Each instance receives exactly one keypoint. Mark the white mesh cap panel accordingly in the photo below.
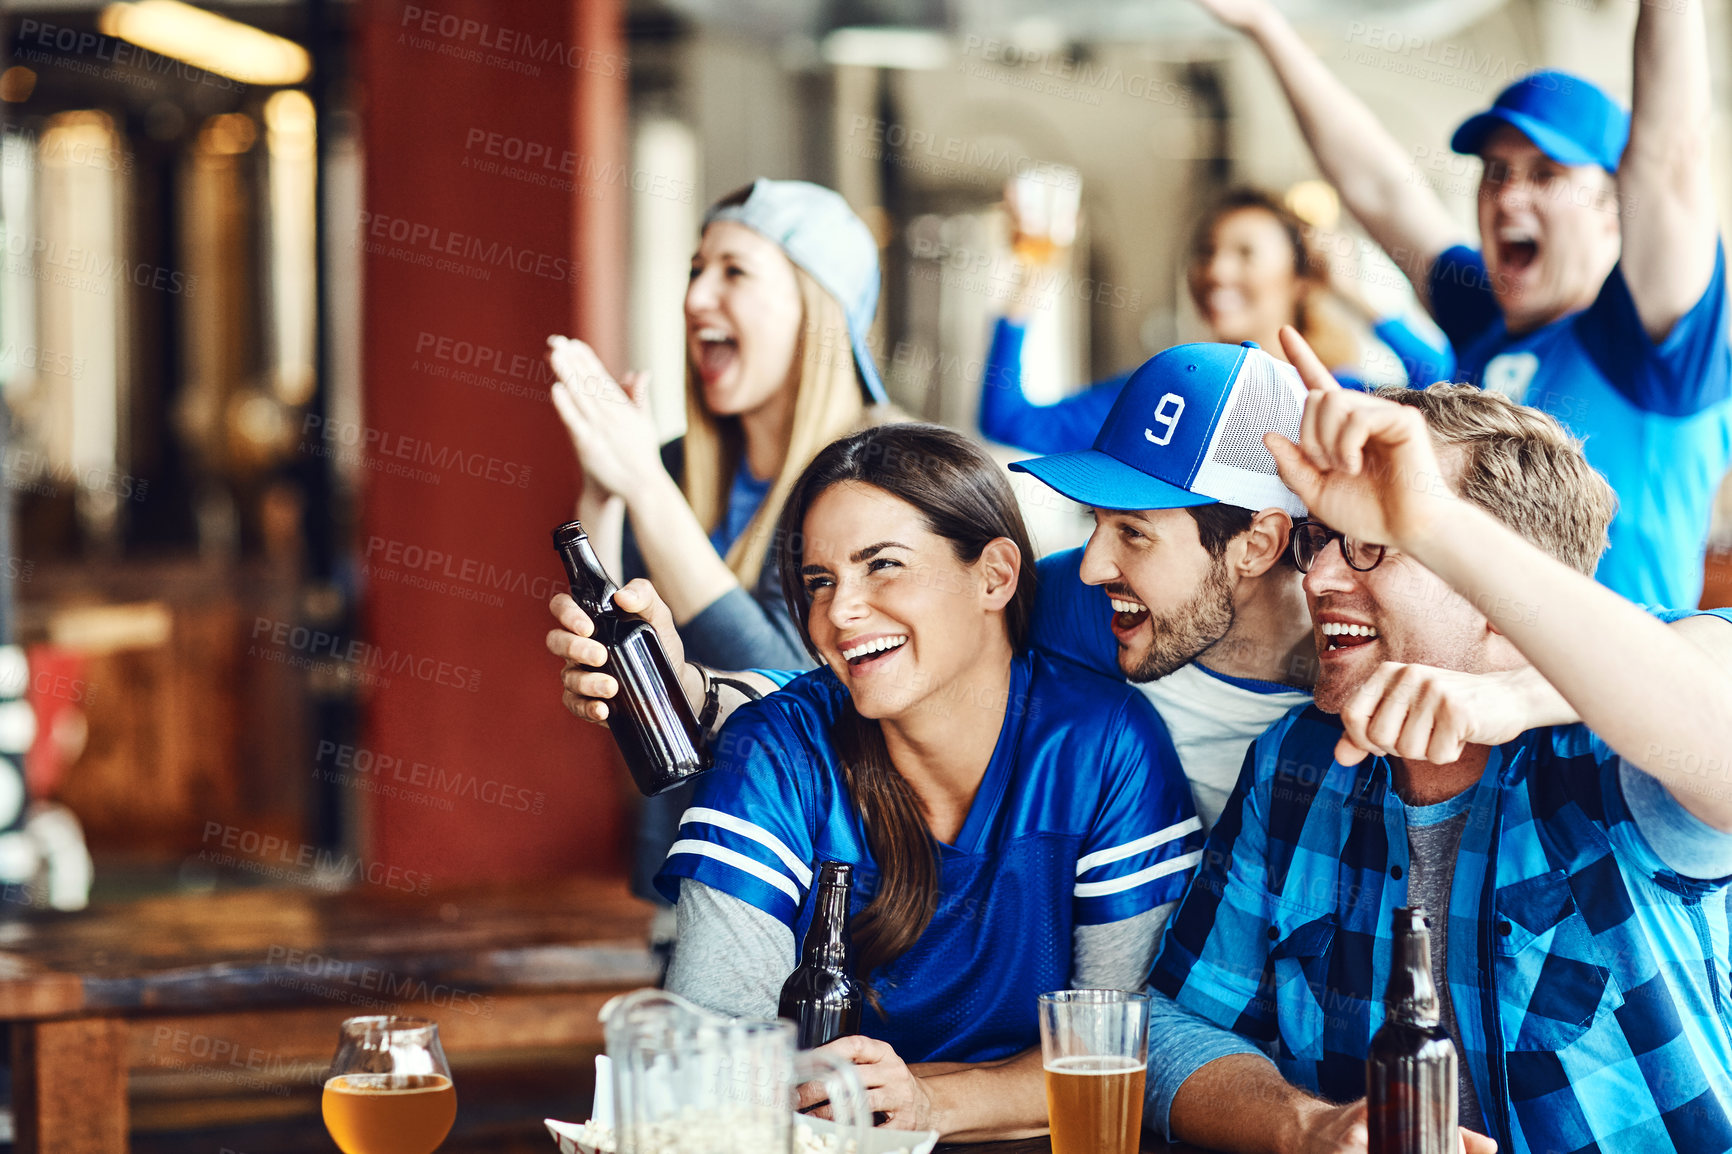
(1237, 469)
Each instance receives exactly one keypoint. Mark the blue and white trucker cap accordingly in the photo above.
(820, 233)
(1188, 430)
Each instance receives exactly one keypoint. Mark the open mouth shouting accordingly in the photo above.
(1517, 249)
(1339, 635)
(717, 351)
(869, 652)
(1128, 614)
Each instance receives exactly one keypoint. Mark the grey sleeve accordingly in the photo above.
(741, 630)
(1117, 955)
(729, 956)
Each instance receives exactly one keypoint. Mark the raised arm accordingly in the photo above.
(1376, 178)
(1665, 178)
(1661, 698)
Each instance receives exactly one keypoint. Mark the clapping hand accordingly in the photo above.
(608, 420)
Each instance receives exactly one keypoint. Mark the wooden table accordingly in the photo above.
(247, 988)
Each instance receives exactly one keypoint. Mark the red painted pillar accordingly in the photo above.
(493, 215)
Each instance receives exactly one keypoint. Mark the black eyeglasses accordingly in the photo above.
(1310, 538)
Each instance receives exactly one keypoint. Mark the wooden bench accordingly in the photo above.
(245, 990)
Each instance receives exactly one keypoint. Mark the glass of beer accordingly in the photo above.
(389, 1090)
(1095, 1047)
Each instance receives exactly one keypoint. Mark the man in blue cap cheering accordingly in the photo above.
(1598, 293)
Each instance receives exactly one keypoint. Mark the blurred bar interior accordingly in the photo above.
(277, 278)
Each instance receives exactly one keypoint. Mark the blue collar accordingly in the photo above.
(1252, 684)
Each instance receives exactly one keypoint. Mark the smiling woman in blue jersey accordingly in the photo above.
(1016, 824)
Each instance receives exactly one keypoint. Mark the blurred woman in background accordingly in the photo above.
(784, 285)
(1252, 269)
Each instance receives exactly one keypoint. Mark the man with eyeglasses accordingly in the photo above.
(1598, 290)
(1189, 586)
(1576, 875)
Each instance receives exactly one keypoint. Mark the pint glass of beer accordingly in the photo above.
(1095, 1046)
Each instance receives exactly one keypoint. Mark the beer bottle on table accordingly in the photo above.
(1410, 1073)
(821, 996)
(651, 720)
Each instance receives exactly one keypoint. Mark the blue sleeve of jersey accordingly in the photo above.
(1422, 363)
(1073, 620)
(1004, 410)
(1671, 615)
(779, 677)
(1683, 374)
(1146, 839)
(1009, 417)
(1461, 300)
(749, 832)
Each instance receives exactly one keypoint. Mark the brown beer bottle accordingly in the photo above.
(651, 720)
(1410, 1073)
(821, 996)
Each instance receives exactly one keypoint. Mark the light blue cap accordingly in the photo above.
(819, 232)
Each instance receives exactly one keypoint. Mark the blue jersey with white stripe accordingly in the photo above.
(1083, 817)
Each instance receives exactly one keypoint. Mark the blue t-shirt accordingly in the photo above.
(1082, 818)
(1655, 418)
(744, 497)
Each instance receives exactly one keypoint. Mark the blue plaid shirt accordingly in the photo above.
(1589, 979)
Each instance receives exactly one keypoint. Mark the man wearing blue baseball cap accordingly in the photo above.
(1612, 319)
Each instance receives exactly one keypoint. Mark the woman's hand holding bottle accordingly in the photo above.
(586, 692)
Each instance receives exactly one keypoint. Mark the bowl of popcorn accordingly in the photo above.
(811, 1136)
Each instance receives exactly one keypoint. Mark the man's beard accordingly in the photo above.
(1177, 638)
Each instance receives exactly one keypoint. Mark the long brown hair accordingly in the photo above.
(964, 497)
(829, 402)
(1333, 343)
